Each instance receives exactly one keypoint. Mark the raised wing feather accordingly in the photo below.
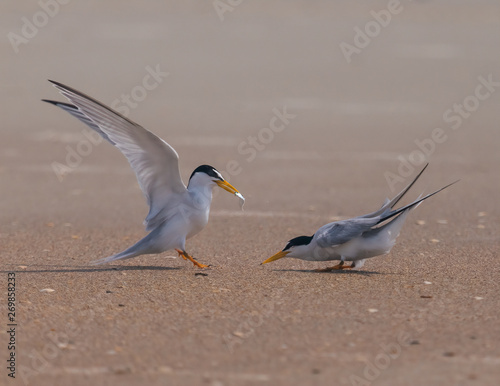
(340, 232)
(77, 113)
(155, 162)
(389, 204)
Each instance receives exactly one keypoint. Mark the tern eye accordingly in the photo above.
(217, 175)
(297, 241)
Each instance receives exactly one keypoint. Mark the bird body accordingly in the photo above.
(355, 239)
(374, 242)
(176, 212)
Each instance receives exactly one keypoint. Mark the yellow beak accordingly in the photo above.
(277, 256)
(227, 186)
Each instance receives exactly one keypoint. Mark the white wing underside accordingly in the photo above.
(154, 162)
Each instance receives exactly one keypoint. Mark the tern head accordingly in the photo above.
(208, 175)
(297, 247)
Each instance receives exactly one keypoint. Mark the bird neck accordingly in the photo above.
(201, 193)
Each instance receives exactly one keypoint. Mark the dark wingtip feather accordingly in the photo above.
(56, 83)
(405, 190)
(50, 101)
(66, 91)
(416, 202)
(56, 103)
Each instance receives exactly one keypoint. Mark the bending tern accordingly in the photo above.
(355, 239)
(176, 212)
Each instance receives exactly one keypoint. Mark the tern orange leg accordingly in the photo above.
(185, 256)
(339, 266)
(181, 254)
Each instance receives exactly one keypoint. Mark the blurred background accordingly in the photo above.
(229, 64)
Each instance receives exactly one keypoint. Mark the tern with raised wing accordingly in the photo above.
(176, 212)
(355, 239)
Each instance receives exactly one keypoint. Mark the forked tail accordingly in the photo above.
(145, 246)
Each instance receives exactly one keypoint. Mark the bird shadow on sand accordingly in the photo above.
(73, 269)
(333, 272)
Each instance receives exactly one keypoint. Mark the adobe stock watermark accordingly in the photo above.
(392, 351)
(454, 117)
(249, 147)
(124, 104)
(364, 36)
(223, 6)
(255, 144)
(31, 26)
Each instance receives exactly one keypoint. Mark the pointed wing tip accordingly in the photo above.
(425, 167)
(59, 85)
(401, 194)
(453, 183)
(444, 187)
(60, 104)
(50, 101)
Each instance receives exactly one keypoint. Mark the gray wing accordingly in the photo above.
(77, 113)
(155, 162)
(340, 232)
